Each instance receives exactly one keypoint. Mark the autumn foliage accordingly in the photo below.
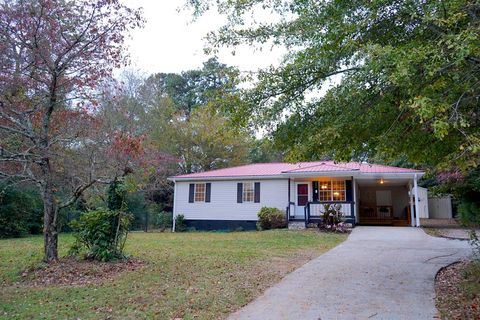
(55, 54)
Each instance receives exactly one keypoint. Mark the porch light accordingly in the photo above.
(381, 181)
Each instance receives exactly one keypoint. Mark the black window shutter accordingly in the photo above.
(239, 192)
(315, 190)
(191, 192)
(257, 192)
(349, 191)
(208, 191)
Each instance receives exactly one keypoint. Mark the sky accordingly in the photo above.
(172, 42)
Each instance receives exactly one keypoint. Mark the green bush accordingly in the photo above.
(102, 233)
(180, 225)
(68, 214)
(271, 218)
(467, 193)
(163, 220)
(21, 210)
(469, 213)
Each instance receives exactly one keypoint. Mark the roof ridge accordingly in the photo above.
(322, 163)
(311, 166)
(386, 166)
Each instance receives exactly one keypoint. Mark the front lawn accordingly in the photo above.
(188, 275)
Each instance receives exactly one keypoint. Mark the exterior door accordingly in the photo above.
(301, 199)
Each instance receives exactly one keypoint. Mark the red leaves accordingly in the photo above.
(127, 145)
(78, 42)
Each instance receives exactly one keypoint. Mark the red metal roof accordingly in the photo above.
(281, 169)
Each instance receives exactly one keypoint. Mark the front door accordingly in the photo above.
(301, 199)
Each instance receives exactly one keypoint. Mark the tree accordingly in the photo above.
(405, 76)
(215, 83)
(134, 105)
(188, 116)
(207, 141)
(263, 150)
(54, 53)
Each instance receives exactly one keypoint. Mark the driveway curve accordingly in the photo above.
(377, 273)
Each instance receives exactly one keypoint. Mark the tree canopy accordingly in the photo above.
(53, 55)
(362, 79)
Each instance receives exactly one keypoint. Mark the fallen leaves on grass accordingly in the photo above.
(457, 296)
(70, 271)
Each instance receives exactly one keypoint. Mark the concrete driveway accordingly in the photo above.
(377, 273)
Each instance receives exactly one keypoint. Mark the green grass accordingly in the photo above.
(188, 275)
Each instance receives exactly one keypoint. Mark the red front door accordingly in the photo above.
(301, 199)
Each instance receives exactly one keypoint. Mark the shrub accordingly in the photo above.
(271, 218)
(163, 220)
(180, 225)
(102, 233)
(475, 243)
(469, 213)
(21, 210)
(332, 219)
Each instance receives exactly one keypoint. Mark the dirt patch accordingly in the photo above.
(439, 223)
(71, 271)
(281, 266)
(450, 233)
(457, 291)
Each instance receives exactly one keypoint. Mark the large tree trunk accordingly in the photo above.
(50, 226)
(49, 216)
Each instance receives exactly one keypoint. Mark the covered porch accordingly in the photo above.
(388, 200)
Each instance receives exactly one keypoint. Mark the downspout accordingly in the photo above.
(174, 206)
(412, 212)
(415, 185)
(289, 199)
(289, 213)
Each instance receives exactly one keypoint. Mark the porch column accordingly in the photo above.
(415, 185)
(412, 216)
(354, 193)
(292, 197)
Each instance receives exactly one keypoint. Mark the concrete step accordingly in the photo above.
(296, 225)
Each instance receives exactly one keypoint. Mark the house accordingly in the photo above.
(230, 198)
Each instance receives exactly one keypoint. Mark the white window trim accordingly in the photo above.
(244, 192)
(204, 192)
(331, 190)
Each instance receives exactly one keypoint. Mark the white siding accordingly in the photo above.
(223, 204)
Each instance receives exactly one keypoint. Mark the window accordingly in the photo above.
(332, 190)
(325, 192)
(248, 194)
(339, 190)
(199, 192)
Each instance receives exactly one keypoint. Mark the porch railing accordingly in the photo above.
(372, 213)
(314, 210)
(288, 211)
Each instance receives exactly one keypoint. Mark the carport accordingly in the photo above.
(390, 200)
